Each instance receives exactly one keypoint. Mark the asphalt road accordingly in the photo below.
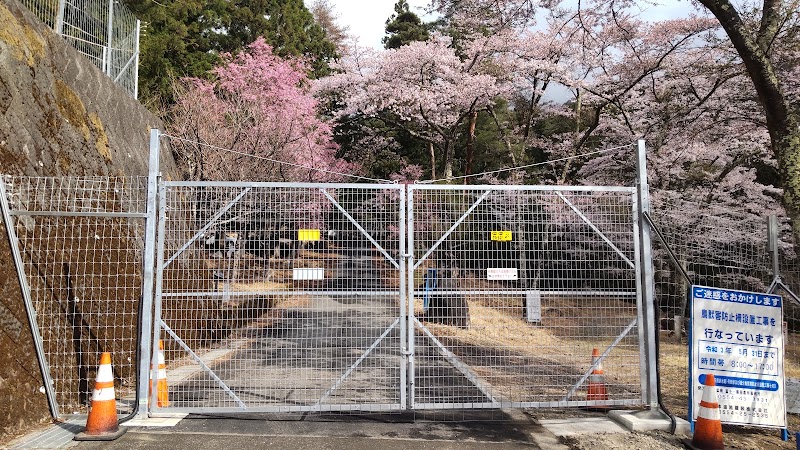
(484, 430)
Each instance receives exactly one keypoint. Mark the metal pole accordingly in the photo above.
(44, 367)
(60, 17)
(404, 289)
(410, 267)
(136, 62)
(772, 243)
(147, 290)
(110, 37)
(647, 325)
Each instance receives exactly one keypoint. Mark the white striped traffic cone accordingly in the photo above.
(162, 389)
(707, 427)
(596, 390)
(102, 423)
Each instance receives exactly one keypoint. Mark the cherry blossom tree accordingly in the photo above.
(255, 121)
(423, 88)
(757, 42)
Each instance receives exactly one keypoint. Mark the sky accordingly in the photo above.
(366, 19)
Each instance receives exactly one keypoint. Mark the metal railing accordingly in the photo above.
(104, 31)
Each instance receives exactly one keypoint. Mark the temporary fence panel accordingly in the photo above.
(281, 297)
(512, 287)
(104, 31)
(77, 243)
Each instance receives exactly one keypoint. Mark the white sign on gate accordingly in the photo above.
(738, 337)
(502, 273)
(308, 274)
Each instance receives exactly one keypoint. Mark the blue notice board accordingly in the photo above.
(738, 337)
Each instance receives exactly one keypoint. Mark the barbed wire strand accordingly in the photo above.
(492, 172)
(380, 180)
(277, 161)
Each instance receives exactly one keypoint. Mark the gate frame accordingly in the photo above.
(152, 279)
(157, 324)
(643, 278)
(645, 295)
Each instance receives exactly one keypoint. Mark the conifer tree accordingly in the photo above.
(403, 27)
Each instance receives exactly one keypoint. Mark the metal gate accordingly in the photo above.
(292, 297)
(512, 287)
(282, 297)
(78, 247)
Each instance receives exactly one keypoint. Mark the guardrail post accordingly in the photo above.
(648, 326)
(146, 311)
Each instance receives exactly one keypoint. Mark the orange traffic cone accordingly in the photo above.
(597, 385)
(707, 427)
(162, 390)
(102, 423)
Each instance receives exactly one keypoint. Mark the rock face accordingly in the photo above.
(59, 116)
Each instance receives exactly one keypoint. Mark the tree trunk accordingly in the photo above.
(782, 118)
(448, 161)
(433, 160)
(473, 119)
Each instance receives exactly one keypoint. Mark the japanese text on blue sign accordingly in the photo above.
(738, 337)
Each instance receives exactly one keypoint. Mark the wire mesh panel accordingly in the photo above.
(80, 243)
(723, 248)
(281, 297)
(105, 31)
(513, 287)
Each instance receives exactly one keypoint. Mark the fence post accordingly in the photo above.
(60, 17)
(772, 244)
(648, 326)
(110, 37)
(145, 339)
(136, 61)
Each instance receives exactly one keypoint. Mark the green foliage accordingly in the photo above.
(183, 38)
(403, 27)
(287, 25)
(490, 150)
(178, 39)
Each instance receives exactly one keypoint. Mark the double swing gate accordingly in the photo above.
(289, 297)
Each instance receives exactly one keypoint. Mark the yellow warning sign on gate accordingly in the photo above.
(501, 235)
(307, 235)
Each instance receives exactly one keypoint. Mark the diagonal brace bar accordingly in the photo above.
(360, 228)
(597, 230)
(206, 227)
(203, 365)
(358, 361)
(455, 225)
(599, 360)
(457, 364)
(777, 283)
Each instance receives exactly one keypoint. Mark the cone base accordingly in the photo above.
(596, 408)
(688, 444)
(105, 436)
